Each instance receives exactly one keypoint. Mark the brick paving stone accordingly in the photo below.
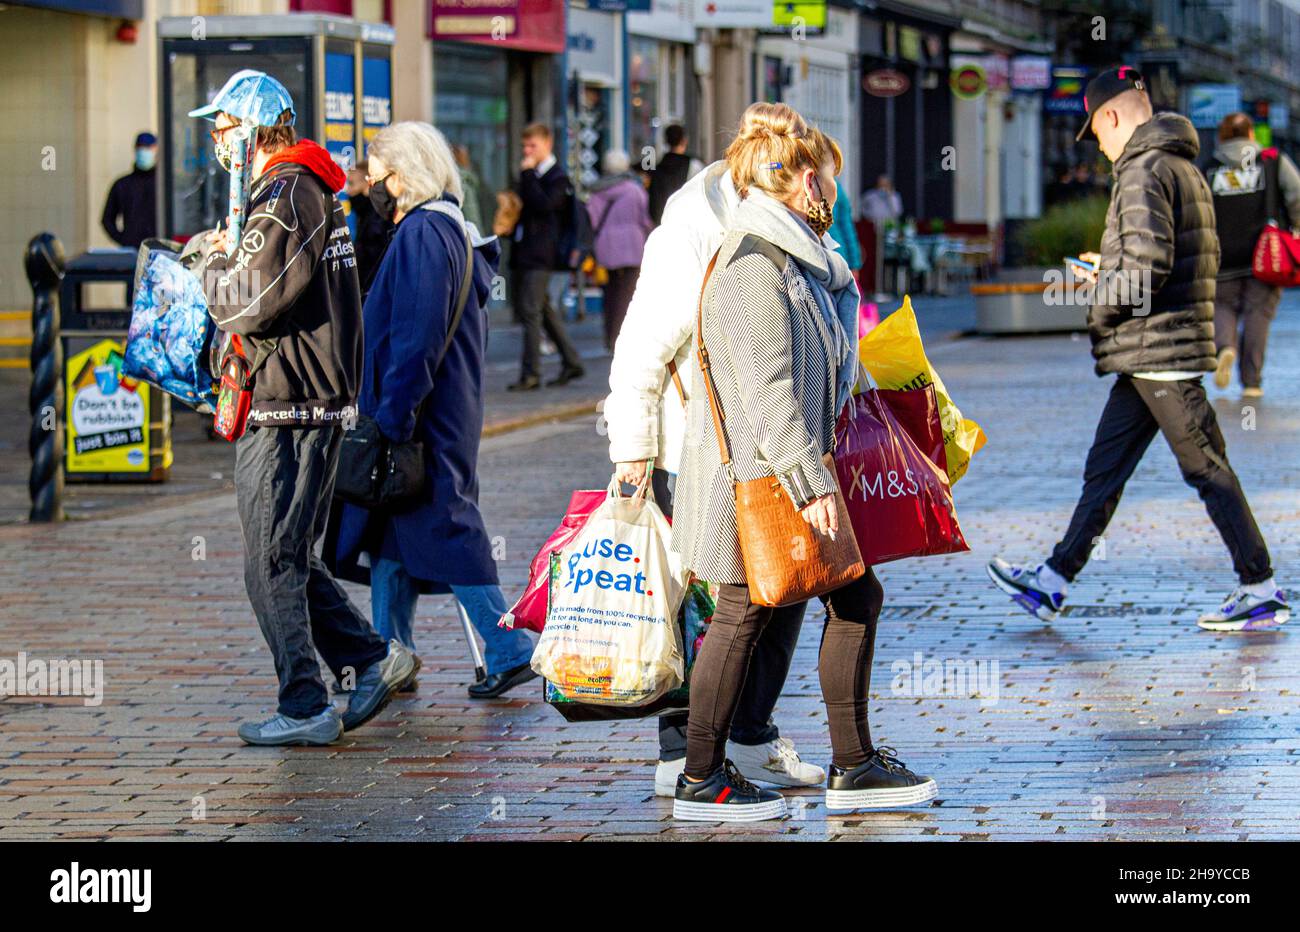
(1120, 721)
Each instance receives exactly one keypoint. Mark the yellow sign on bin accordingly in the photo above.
(107, 414)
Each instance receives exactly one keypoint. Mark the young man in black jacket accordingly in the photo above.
(548, 197)
(1152, 324)
(288, 291)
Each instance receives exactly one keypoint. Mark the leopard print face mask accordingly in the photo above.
(819, 214)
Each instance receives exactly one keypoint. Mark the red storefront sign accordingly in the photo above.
(530, 25)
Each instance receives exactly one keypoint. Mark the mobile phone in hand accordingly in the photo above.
(1080, 267)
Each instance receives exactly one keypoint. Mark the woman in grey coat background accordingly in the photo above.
(777, 313)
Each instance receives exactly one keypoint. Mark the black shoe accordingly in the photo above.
(567, 375)
(378, 682)
(725, 797)
(526, 383)
(498, 684)
(883, 782)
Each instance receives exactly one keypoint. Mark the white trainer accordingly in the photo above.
(776, 762)
(666, 774)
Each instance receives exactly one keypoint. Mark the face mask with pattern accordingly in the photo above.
(819, 214)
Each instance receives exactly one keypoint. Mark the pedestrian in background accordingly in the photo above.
(776, 316)
(131, 210)
(620, 223)
(843, 232)
(1152, 324)
(437, 544)
(548, 206)
(881, 206)
(471, 205)
(674, 168)
(370, 232)
(646, 417)
(1242, 180)
(304, 325)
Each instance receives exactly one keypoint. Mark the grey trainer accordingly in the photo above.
(325, 728)
(378, 682)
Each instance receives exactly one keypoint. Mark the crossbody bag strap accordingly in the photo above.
(462, 298)
(702, 354)
(677, 380)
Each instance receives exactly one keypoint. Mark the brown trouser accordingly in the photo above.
(844, 665)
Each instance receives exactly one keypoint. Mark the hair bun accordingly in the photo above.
(769, 121)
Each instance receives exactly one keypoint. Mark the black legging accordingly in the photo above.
(844, 665)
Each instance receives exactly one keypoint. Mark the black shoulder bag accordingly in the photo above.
(375, 472)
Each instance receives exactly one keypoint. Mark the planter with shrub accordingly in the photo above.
(1041, 296)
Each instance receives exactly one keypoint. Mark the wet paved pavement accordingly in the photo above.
(1121, 720)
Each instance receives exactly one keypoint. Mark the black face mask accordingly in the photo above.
(382, 200)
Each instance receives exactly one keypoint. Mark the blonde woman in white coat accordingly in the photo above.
(645, 414)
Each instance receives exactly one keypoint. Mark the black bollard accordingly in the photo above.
(44, 263)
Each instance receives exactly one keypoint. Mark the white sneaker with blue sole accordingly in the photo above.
(1026, 589)
(1248, 611)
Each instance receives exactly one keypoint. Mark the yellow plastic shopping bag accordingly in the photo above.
(894, 355)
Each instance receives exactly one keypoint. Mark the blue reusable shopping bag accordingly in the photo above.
(170, 335)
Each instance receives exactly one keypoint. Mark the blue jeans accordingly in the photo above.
(394, 592)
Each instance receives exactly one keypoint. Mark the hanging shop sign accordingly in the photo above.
(968, 81)
(733, 14)
(805, 14)
(1208, 104)
(885, 82)
(1066, 93)
(1031, 73)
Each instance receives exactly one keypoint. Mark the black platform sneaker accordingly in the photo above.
(725, 797)
(883, 782)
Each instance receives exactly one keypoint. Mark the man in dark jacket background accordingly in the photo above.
(287, 289)
(547, 197)
(1243, 179)
(1152, 324)
(131, 210)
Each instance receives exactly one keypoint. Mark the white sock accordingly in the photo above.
(1052, 580)
(1262, 590)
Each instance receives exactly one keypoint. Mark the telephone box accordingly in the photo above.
(338, 71)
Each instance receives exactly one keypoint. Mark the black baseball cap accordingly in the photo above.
(1104, 87)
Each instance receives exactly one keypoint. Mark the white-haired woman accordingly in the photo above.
(423, 378)
(620, 222)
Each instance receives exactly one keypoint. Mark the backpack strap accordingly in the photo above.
(1269, 163)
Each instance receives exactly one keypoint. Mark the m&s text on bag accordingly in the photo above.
(599, 551)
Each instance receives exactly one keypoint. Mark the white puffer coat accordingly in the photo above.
(646, 419)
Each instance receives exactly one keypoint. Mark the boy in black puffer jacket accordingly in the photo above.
(1152, 324)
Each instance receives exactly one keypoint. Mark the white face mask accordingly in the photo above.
(145, 158)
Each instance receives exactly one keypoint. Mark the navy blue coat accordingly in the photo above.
(441, 539)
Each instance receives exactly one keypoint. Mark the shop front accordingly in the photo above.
(816, 74)
(594, 64)
(906, 109)
(494, 72)
(661, 77)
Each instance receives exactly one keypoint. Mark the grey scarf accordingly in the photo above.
(832, 282)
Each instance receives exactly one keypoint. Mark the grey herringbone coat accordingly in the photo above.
(774, 362)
